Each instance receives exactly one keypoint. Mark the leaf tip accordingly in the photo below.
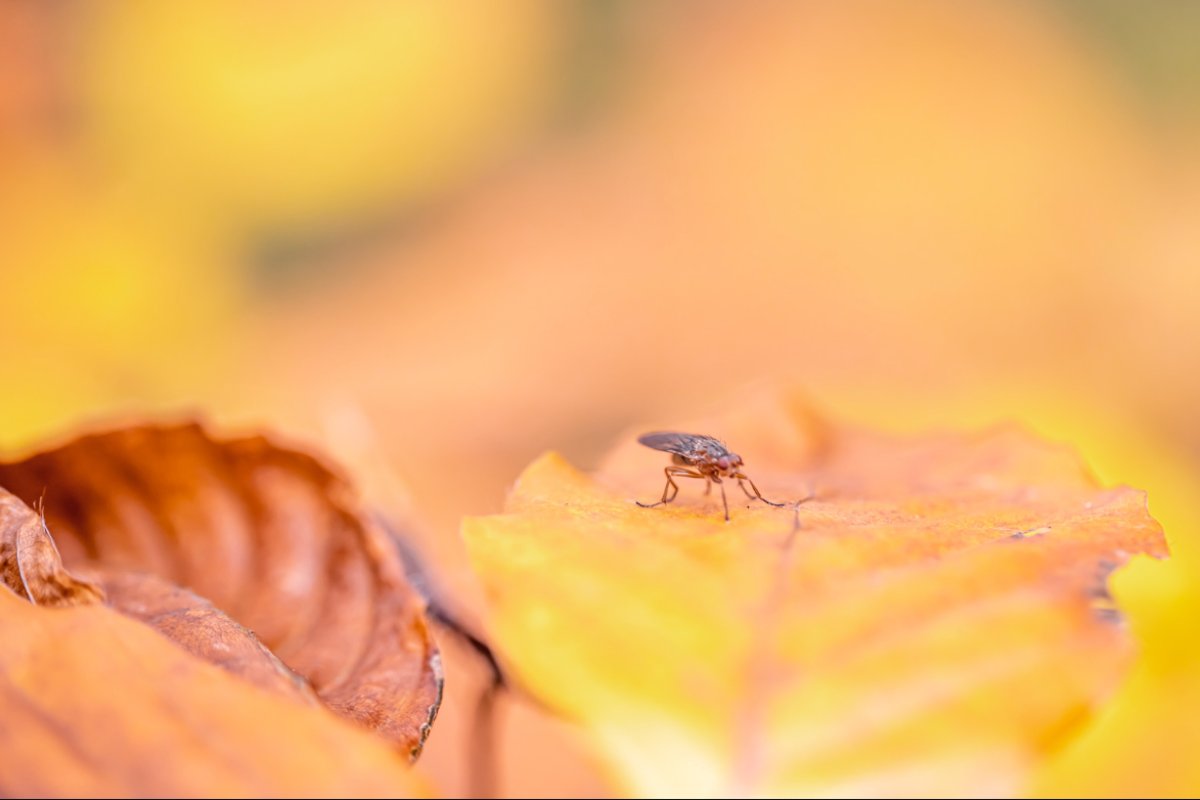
(548, 474)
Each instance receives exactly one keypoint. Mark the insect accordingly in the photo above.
(697, 456)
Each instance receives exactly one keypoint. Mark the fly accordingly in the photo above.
(697, 456)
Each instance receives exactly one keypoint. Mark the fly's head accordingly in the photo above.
(727, 464)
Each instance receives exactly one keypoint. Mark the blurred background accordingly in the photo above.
(437, 239)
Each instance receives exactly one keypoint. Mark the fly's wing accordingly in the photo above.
(684, 444)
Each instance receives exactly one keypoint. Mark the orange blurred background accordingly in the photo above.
(437, 239)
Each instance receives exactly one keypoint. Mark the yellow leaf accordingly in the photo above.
(933, 621)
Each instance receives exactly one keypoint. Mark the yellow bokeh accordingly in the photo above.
(265, 113)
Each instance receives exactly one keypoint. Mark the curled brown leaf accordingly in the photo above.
(254, 557)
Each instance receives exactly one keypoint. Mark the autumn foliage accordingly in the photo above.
(925, 615)
(467, 253)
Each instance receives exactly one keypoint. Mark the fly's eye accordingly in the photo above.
(723, 462)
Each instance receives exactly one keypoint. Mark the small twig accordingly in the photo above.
(482, 773)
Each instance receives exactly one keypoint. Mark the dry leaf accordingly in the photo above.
(932, 622)
(98, 705)
(174, 529)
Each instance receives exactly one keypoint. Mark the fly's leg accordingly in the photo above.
(741, 476)
(724, 502)
(672, 488)
(670, 485)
